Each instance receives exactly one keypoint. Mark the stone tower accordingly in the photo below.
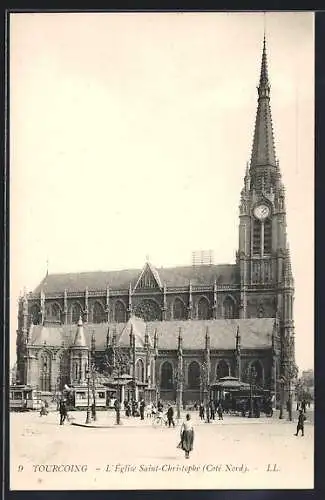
(266, 282)
(79, 357)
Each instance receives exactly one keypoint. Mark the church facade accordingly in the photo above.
(241, 314)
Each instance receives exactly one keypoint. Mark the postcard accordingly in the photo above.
(161, 227)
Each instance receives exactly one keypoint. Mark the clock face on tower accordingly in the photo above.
(262, 211)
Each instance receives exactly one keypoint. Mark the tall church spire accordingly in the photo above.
(263, 151)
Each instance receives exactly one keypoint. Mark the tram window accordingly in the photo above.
(101, 395)
(18, 395)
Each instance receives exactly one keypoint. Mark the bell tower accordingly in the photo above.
(266, 281)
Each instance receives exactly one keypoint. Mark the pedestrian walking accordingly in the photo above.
(297, 408)
(219, 411)
(142, 407)
(303, 405)
(301, 423)
(63, 411)
(202, 411)
(170, 416)
(212, 410)
(117, 406)
(187, 436)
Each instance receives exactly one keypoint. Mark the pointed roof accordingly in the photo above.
(256, 333)
(287, 271)
(80, 340)
(149, 268)
(263, 150)
(139, 331)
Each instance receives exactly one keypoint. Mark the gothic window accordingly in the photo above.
(260, 312)
(120, 312)
(166, 376)
(256, 272)
(147, 281)
(98, 313)
(76, 312)
(64, 374)
(256, 372)
(148, 310)
(179, 310)
(256, 237)
(194, 375)
(139, 370)
(267, 236)
(45, 372)
(203, 309)
(229, 308)
(56, 312)
(222, 369)
(53, 312)
(35, 314)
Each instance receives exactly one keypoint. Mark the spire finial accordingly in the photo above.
(47, 267)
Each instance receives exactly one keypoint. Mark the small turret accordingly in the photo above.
(80, 340)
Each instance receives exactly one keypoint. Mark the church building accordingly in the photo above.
(239, 315)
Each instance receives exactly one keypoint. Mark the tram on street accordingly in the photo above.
(79, 397)
(24, 398)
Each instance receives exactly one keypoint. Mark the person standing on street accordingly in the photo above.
(202, 411)
(187, 436)
(63, 411)
(219, 410)
(170, 416)
(142, 407)
(117, 406)
(301, 423)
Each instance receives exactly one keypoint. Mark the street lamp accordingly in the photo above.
(206, 388)
(88, 418)
(252, 377)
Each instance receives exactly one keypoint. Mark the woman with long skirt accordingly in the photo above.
(187, 436)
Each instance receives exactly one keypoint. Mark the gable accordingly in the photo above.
(149, 278)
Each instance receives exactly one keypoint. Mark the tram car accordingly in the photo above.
(79, 397)
(24, 398)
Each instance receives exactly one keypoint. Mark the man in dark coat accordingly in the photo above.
(170, 416)
(212, 410)
(202, 411)
(117, 406)
(142, 407)
(63, 411)
(301, 423)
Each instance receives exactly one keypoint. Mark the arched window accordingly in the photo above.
(229, 308)
(45, 372)
(148, 310)
(256, 373)
(98, 313)
(120, 312)
(222, 369)
(194, 375)
(76, 312)
(139, 370)
(35, 314)
(257, 237)
(166, 381)
(203, 309)
(64, 375)
(56, 312)
(179, 310)
(267, 236)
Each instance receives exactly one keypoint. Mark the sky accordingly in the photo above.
(130, 134)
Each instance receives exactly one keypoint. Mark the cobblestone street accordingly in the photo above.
(229, 454)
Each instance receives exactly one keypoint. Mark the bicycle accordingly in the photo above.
(159, 420)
